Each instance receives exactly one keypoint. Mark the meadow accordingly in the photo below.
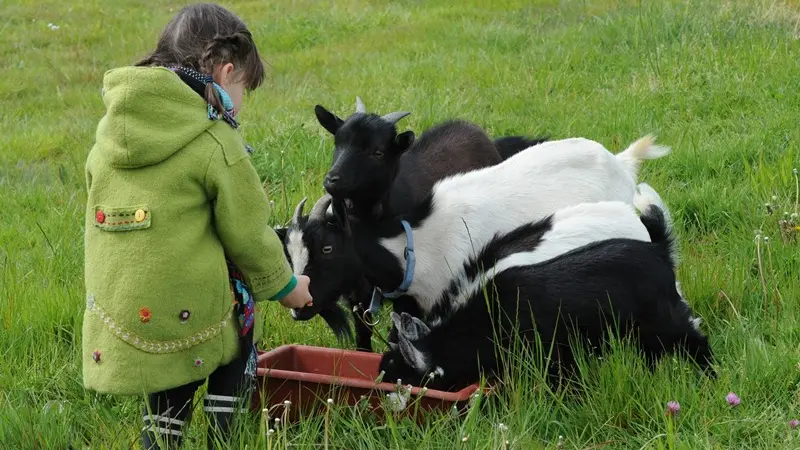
(715, 80)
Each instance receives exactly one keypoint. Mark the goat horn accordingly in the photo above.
(299, 211)
(360, 108)
(318, 212)
(394, 117)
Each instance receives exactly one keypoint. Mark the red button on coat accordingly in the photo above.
(100, 217)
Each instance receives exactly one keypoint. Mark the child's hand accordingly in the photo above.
(299, 297)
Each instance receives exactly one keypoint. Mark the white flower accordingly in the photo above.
(330, 401)
(398, 401)
(502, 427)
(53, 26)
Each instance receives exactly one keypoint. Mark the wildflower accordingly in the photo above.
(560, 441)
(733, 399)
(330, 401)
(673, 407)
(774, 198)
(465, 438)
(287, 402)
(794, 171)
(502, 427)
(55, 27)
(794, 423)
(271, 432)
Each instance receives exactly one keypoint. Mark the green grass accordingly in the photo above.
(715, 80)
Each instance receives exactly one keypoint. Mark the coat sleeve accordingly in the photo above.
(241, 213)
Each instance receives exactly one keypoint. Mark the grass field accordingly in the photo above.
(715, 80)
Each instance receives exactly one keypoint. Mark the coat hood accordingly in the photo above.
(150, 114)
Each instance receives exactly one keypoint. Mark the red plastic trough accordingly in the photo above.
(307, 376)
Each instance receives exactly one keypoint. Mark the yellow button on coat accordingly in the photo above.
(140, 214)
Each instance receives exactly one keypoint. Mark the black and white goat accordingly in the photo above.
(625, 285)
(461, 215)
(380, 172)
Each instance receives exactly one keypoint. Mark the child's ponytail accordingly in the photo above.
(221, 49)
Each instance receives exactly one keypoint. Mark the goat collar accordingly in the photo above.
(408, 277)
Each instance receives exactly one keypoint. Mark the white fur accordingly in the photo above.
(297, 250)
(572, 227)
(694, 321)
(470, 208)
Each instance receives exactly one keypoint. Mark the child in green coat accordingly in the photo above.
(177, 245)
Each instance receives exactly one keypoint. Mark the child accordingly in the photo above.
(177, 245)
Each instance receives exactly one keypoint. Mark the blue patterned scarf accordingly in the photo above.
(198, 82)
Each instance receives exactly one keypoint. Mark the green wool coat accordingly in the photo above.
(170, 194)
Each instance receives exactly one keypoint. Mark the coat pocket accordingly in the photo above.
(126, 218)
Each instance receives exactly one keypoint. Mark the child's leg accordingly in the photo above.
(229, 390)
(165, 416)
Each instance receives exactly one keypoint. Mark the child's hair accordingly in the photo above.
(204, 35)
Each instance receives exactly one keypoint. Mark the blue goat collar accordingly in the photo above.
(408, 277)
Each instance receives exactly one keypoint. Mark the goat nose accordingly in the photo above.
(333, 179)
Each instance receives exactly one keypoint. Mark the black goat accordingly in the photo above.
(623, 284)
(378, 170)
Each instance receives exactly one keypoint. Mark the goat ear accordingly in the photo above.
(414, 329)
(340, 214)
(397, 322)
(411, 354)
(327, 119)
(403, 141)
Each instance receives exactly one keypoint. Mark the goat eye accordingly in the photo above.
(327, 249)
(379, 154)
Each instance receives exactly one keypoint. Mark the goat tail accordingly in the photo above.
(646, 196)
(643, 148)
(656, 218)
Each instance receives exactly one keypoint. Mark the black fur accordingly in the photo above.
(624, 284)
(509, 146)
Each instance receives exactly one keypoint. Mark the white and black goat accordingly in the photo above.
(461, 215)
(380, 172)
(627, 286)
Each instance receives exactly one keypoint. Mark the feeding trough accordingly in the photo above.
(307, 376)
